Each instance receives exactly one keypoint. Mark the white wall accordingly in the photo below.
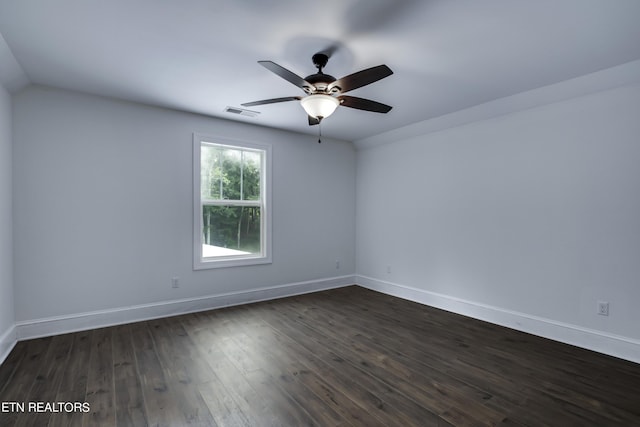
(6, 226)
(103, 202)
(533, 214)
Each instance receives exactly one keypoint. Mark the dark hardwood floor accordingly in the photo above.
(345, 357)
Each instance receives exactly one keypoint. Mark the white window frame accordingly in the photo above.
(200, 263)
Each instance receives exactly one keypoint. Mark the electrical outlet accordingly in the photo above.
(337, 265)
(175, 282)
(603, 308)
(388, 269)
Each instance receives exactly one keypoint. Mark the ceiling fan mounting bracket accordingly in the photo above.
(320, 61)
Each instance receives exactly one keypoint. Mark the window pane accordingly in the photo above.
(251, 175)
(229, 229)
(229, 174)
(210, 172)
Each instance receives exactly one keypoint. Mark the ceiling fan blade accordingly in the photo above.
(313, 121)
(271, 101)
(364, 104)
(285, 74)
(361, 78)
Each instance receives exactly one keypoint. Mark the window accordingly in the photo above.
(231, 189)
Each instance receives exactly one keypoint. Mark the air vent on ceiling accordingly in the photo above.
(241, 111)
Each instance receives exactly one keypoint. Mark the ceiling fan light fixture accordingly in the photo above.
(320, 105)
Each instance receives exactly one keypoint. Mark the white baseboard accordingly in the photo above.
(7, 341)
(613, 345)
(617, 346)
(97, 319)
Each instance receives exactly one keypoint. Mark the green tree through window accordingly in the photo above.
(232, 175)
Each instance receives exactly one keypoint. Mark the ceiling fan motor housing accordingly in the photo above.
(320, 80)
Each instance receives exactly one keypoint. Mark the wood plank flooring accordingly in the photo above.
(345, 357)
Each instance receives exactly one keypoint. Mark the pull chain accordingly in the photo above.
(319, 132)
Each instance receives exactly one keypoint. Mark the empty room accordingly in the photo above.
(338, 213)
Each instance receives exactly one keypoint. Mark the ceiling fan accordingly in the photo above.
(325, 92)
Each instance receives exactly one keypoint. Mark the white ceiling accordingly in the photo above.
(200, 55)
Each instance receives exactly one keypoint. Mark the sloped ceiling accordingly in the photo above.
(200, 55)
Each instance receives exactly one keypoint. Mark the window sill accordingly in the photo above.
(209, 263)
